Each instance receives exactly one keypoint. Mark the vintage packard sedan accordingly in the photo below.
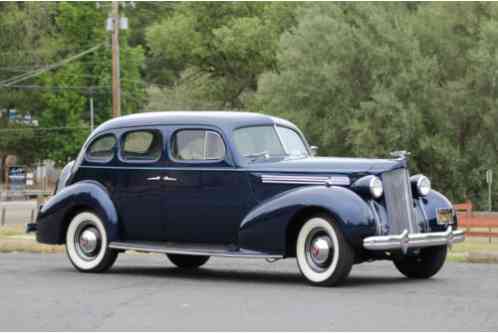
(234, 184)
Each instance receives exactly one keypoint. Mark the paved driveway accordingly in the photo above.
(146, 292)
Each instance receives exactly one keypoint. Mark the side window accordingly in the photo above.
(144, 145)
(102, 149)
(197, 145)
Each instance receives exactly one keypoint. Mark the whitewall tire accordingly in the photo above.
(87, 244)
(323, 255)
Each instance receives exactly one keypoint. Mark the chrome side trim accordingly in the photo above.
(190, 249)
(306, 180)
(405, 240)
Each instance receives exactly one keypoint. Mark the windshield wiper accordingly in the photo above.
(256, 156)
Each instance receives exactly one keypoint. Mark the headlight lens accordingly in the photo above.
(421, 184)
(376, 187)
(424, 185)
(369, 186)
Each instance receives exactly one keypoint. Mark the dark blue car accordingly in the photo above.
(199, 184)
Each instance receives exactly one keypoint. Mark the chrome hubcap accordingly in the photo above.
(319, 250)
(87, 241)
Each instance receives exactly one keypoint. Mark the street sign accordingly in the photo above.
(12, 115)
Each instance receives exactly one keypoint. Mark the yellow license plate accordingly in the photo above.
(444, 216)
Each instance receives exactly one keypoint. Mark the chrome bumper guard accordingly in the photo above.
(405, 240)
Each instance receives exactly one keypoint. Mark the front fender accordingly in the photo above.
(431, 203)
(54, 216)
(265, 227)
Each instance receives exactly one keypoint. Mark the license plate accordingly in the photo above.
(444, 216)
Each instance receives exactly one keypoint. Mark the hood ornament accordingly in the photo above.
(400, 154)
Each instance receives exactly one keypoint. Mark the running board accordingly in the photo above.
(191, 249)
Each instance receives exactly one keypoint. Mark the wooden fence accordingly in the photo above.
(477, 224)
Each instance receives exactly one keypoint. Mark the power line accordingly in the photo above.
(43, 129)
(57, 88)
(12, 70)
(38, 51)
(142, 82)
(28, 75)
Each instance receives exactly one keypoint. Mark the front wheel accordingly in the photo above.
(423, 265)
(323, 255)
(86, 244)
(187, 261)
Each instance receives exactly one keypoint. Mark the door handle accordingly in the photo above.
(154, 178)
(169, 179)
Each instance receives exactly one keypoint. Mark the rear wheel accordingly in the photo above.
(323, 255)
(187, 261)
(86, 244)
(424, 265)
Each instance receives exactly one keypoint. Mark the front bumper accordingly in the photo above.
(405, 240)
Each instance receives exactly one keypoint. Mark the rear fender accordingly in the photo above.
(265, 227)
(56, 213)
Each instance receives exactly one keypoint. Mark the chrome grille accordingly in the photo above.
(399, 202)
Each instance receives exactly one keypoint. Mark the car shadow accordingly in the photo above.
(247, 276)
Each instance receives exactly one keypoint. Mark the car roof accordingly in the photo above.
(226, 120)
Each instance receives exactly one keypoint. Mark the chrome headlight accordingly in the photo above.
(369, 185)
(421, 185)
(376, 187)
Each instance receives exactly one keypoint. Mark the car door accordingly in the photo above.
(140, 184)
(204, 194)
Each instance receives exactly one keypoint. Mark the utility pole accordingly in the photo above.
(91, 113)
(116, 83)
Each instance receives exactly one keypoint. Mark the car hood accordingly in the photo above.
(329, 165)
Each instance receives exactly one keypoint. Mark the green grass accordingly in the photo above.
(14, 239)
(8, 231)
(476, 245)
(478, 250)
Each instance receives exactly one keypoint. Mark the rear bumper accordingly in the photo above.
(33, 227)
(405, 240)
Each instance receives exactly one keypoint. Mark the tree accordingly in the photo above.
(82, 26)
(226, 44)
(25, 29)
(365, 80)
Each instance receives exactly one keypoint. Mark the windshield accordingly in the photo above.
(268, 141)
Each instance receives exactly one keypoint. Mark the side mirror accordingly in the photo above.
(314, 150)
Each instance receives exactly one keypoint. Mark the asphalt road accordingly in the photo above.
(17, 212)
(145, 292)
